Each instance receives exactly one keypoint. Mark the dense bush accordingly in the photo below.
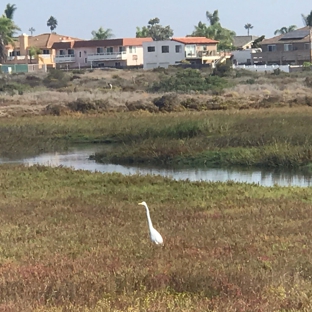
(223, 69)
(56, 79)
(86, 106)
(186, 80)
(12, 87)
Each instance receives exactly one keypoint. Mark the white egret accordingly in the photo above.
(154, 234)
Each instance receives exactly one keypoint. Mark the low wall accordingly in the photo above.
(23, 68)
(263, 68)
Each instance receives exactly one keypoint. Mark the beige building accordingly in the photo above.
(119, 53)
(293, 48)
(19, 52)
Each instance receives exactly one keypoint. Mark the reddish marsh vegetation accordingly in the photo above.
(78, 241)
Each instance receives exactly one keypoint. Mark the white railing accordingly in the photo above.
(45, 56)
(107, 56)
(18, 57)
(263, 68)
(64, 58)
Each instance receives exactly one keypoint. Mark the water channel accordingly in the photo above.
(78, 158)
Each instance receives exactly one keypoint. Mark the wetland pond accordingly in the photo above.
(77, 157)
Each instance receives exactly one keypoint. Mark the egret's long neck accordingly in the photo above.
(150, 225)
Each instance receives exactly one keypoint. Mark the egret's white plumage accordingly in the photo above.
(154, 234)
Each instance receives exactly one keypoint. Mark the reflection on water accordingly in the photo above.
(78, 158)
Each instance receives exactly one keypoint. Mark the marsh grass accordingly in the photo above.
(272, 138)
(78, 241)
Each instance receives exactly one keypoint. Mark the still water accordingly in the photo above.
(78, 158)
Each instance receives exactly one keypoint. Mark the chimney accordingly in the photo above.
(23, 39)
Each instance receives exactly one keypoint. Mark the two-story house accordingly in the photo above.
(120, 53)
(19, 52)
(293, 48)
(196, 50)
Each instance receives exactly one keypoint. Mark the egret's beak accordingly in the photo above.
(140, 203)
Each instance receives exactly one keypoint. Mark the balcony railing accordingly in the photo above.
(107, 56)
(64, 58)
(199, 54)
(18, 57)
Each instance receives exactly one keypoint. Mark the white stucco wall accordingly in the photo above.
(158, 58)
(135, 57)
(244, 56)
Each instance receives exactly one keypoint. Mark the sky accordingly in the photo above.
(77, 18)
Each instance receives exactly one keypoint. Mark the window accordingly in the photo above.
(86, 60)
(62, 52)
(288, 47)
(178, 48)
(99, 50)
(13, 53)
(150, 49)
(110, 50)
(117, 64)
(80, 54)
(132, 49)
(45, 51)
(164, 49)
(70, 52)
(271, 48)
(122, 49)
(307, 46)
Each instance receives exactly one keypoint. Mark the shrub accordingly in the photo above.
(33, 81)
(187, 80)
(168, 103)
(56, 110)
(141, 105)
(12, 88)
(78, 71)
(56, 79)
(223, 69)
(85, 106)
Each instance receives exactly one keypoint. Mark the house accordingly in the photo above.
(196, 50)
(243, 42)
(293, 48)
(120, 53)
(19, 52)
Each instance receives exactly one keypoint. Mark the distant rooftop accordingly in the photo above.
(194, 40)
(240, 41)
(298, 35)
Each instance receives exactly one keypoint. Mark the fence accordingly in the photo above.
(22, 68)
(263, 68)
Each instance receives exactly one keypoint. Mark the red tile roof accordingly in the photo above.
(102, 43)
(195, 40)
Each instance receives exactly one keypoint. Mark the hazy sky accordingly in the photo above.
(77, 18)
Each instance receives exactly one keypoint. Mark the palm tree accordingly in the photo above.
(285, 30)
(102, 34)
(9, 10)
(248, 26)
(7, 30)
(307, 19)
(201, 30)
(213, 18)
(52, 23)
(31, 29)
